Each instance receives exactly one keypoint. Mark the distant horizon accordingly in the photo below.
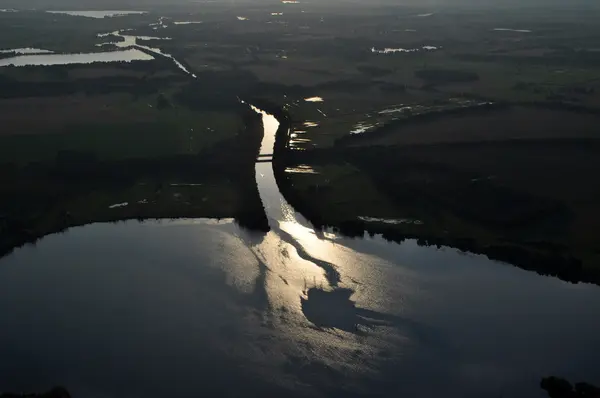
(80, 4)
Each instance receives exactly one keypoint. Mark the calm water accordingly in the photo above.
(129, 41)
(199, 307)
(84, 58)
(27, 50)
(129, 50)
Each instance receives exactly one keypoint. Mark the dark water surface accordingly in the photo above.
(203, 308)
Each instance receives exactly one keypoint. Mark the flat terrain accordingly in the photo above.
(494, 180)
(516, 123)
(471, 130)
(478, 124)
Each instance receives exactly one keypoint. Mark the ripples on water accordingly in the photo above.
(202, 307)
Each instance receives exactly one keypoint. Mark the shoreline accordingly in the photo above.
(543, 257)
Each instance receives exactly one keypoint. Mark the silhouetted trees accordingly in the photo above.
(557, 387)
(56, 392)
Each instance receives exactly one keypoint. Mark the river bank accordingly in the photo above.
(77, 188)
(346, 191)
(525, 202)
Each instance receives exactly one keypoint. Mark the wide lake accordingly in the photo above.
(205, 308)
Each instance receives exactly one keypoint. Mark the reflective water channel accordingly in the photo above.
(188, 307)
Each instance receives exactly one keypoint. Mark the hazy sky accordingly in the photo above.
(53, 3)
(121, 4)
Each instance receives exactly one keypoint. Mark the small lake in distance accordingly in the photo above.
(127, 55)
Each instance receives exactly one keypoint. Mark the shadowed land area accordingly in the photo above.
(557, 387)
(78, 186)
(497, 183)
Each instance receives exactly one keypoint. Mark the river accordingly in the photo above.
(205, 308)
